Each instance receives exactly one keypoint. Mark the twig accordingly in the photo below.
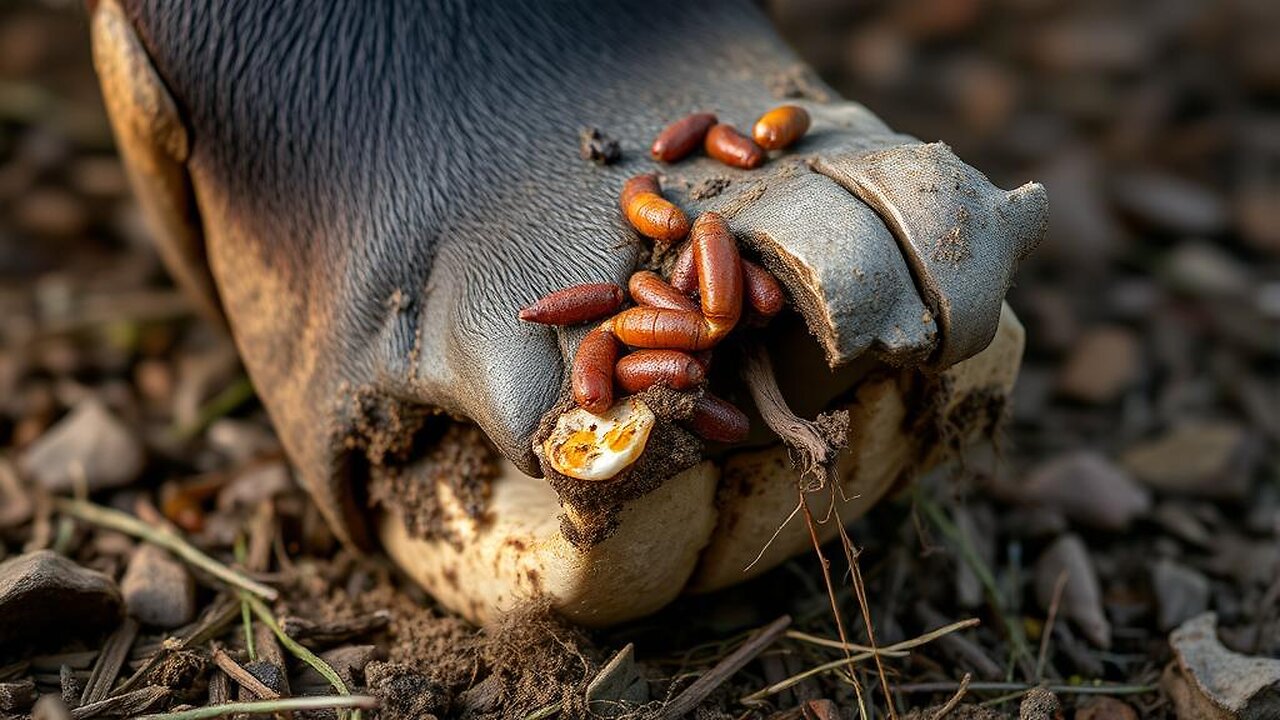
(691, 696)
(831, 594)
(888, 650)
(1058, 586)
(955, 699)
(1099, 689)
(236, 672)
(264, 614)
(107, 668)
(116, 520)
(837, 645)
(860, 592)
(265, 707)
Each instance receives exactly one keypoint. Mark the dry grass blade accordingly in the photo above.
(271, 707)
(107, 668)
(689, 699)
(955, 699)
(837, 645)
(889, 650)
(1058, 586)
(125, 523)
(860, 591)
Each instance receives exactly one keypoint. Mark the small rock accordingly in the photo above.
(1088, 489)
(1179, 521)
(1181, 592)
(1104, 363)
(255, 485)
(50, 707)
(45, 597)
(348, 661)
(241, 440)
(1040, 704)
(1208, 680)
(1171, 203)
(158, 590)
(1106, 708)
(1209, 459)
(1200, 268)
(51, 213)
(1081, 596)
(89, 443)
(618, 688)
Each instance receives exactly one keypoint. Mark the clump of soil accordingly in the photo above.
(462, 460)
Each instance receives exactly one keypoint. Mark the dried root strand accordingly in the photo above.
(814, 446)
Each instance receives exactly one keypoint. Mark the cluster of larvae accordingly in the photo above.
(674, 322)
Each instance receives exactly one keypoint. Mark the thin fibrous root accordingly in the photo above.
(814, 445)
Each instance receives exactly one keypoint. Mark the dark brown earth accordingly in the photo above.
(1139, 457)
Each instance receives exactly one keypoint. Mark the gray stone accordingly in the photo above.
(1181, 593)
(1081, 600)
(1088, 489)
(89, 443)
(158, 590)
(45, 598)
(1208, 680)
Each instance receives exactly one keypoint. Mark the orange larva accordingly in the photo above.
(651, 214)
(781, 127)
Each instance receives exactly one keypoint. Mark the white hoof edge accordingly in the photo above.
(680, 538)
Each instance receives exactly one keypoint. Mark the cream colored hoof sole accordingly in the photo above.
(682, 537)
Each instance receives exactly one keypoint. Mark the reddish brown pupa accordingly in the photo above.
(591, 376)
(780, 127)
(715, 255)
(763, 292)
(575, 304)
(651, 214)
(643, 369)
(718, 420)
(732, 148)
(681, 137)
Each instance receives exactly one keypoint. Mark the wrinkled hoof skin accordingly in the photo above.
(369, 244)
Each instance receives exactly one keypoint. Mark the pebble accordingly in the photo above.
(1081, 596)
(1104, 363)
(1171, 203)
(51, 213)
(1178, 520)
(1181, 593)
(1089, 489)
(1202, 268)
(44, 597)
(90, 444)
(1201, 458)
(158, 590)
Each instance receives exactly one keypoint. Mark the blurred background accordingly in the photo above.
(1147, 416)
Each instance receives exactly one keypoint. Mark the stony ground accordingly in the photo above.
(1136, 486)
